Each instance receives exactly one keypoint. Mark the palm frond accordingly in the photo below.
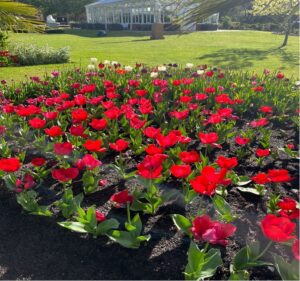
(195, 11)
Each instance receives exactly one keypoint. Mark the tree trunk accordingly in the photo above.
(287, 33)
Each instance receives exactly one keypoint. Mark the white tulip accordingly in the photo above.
(162, 68)
(94, 60)
(153, 74)
(189, 65)
(106, 62)
(91, 67)
(128, 68)
(200, 72)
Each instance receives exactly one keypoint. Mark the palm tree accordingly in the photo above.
(18, 16)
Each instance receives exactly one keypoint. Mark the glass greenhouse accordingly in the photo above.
(129, 14)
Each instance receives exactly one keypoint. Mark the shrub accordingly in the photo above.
(34, 55)
(3, 40)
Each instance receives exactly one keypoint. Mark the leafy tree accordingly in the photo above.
(285, 8)
(72, 8)
(18, 16)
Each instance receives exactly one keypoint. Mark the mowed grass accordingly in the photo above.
(236, 50)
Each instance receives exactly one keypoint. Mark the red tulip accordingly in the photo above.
(259, 123)
(145, 106)
(37, 123)
(227, 163)
(141, 93)
(88, 88)
(258, 89)
(80, 100)
(2, 130)
(241, 141)
(120, 145)
(121, 198)
(98, 124)
(113, 113)
(224, 99)
(9, 165)
(64, 148)
(180, 115)
(94, 146)
(189, 157)
(288, 208)
(209, 73)
(27, 183)
(38, 161)
(27, 111)
(151, 167)
(280, 75)
(77, 131)
(100, 217)
(201, 96)
(151, 132)
(64, 175)
(277, 229)
(208, 181)
(79, 115)
(214, 232)
(279, 176)
(266, 109)
(54, 131)
(153, 149)
(88, 161)
(50, 115)
(168, 140)
(181, 171)
(261, 178)
(208, 138)
(290, 146)
(262, 152)
(137, 123)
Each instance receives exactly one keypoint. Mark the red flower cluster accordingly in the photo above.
(209, 180)
(151, 167)
(272, 176)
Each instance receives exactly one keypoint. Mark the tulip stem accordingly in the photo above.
(265, 250)
(128, 213)
(206, 247)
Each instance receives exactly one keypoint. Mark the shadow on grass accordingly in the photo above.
(124, 33)
(243, 58)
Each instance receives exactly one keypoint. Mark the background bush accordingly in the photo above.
(34, 55)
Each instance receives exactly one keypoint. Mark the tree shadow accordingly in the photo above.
(237, 58)
(93, 33)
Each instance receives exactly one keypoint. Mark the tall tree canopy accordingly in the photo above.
(72, 8)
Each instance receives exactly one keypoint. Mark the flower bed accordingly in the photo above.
(7, 59)
(136, 154)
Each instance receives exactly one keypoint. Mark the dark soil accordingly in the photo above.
(37, 248)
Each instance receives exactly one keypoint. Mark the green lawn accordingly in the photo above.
(237, 50)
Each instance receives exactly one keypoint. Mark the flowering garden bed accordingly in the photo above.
(195, 162)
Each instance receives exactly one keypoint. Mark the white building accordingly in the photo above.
(131, 14)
